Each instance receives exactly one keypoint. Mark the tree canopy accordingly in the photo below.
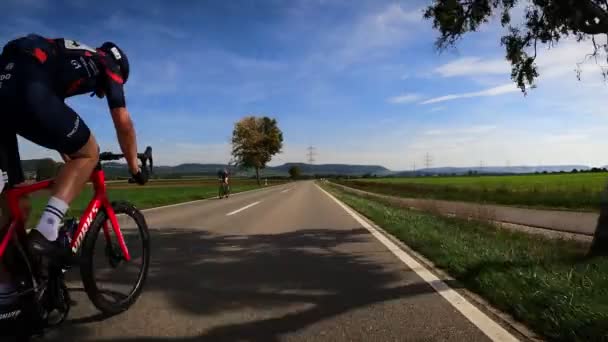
(254, 141)
(544, 21)
(295, 171)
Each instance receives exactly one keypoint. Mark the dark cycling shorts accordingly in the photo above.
(30, 108)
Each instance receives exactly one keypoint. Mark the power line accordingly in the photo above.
(428, 161)
(312, 152)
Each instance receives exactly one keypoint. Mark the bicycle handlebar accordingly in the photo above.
(143, 157)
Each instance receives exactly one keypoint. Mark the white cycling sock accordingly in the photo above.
(51, 218)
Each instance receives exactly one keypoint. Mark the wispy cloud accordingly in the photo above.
(478, 129)
(434, 132)
(120, 22)
(29, 4)
(503, 89)
(438, 108)
(565, 137)
(473, 66)
(552, 62)
(404, 98)
(369, 36)
(453, 146)
(255, 63)
(158, 77)
(457, 131)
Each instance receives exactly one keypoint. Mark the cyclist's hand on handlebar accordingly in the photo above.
(141, 177)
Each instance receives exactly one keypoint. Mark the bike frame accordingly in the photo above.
(100, 201)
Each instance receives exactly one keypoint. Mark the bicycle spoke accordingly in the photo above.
(114, 276)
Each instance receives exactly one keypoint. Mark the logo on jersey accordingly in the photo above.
(116, 53)
(74, 45)
(76, 124)
(93, 67)
(9, 315)
(75, 64)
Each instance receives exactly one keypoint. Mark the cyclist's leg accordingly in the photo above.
(10, 164)
(10, 161)
(49, 122)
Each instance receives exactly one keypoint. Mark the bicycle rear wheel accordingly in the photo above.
(112, 283)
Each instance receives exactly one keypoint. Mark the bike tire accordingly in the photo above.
(87, 272)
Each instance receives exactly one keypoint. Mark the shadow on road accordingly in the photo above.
(206, 274)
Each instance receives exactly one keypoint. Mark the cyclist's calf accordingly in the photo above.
(76, 171)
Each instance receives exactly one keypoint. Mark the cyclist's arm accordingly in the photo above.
(125, 130)
(126, 136)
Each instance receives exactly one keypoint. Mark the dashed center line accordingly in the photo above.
(243, 208)
(286, 191)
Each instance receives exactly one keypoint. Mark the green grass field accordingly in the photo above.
(579, 191)
(548, 284)
(151, 195)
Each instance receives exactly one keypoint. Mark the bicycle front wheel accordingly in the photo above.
(112, 283)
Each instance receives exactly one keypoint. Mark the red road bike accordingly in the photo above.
(40, 298)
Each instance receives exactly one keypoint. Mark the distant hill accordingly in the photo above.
(333, 169)
(114, 169)
(29, 165)
(495, 170)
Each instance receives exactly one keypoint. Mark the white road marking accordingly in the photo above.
(243, 208)
(286, 191)
(489, 327)
(205, 199)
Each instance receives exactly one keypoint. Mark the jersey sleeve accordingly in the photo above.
(115, 95)
(115, 88)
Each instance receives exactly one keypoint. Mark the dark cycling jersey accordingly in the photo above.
(37, 74)
(222, 175)
(74, 68)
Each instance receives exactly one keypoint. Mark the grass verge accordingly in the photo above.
(143, 197)
(547, 284)
(574, 198)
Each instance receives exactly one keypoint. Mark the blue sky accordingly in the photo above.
(360, 81)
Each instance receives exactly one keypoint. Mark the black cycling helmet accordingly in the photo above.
(119, 57)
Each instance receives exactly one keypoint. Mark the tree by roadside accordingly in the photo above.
(295, 172)
(542, 21)
(254, 141)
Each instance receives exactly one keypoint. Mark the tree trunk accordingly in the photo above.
(599, 247)
(257, 175)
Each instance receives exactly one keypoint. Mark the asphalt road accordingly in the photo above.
(295, 266)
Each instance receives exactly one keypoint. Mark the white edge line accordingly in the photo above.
(243, 208)
(488, 326)
(204, 199)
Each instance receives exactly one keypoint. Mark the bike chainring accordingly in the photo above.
(55, 302)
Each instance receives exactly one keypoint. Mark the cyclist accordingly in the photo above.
(223, 177)
(37, 74)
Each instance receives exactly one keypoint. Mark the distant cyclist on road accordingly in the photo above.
(37, 74)
(223, 178)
